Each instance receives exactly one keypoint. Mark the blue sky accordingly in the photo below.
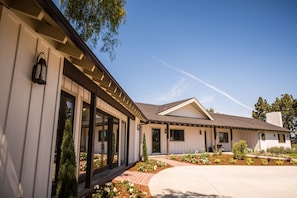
(224, 53)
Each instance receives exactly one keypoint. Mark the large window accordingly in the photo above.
(177, 135)
(224, 137)
(281, 138)
(66, 114)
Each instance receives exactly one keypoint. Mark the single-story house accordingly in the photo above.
(185, 126)
(49, 76)
(73, 86)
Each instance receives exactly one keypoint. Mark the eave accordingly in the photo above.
(45, 18)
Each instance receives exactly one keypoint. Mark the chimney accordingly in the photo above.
(274, 118)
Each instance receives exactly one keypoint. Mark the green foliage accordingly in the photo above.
(232, 161)
(249, 161)
(239, 150)
(172, 157)
(150, 165)
(261, 108)
(67, 182)
(96, 20)
(204, 158)
(287, 105)
(144, 149)
(132, 190)
(217, 161)
(293, 162)
(108, 190)
(279, 162)
(264, 162)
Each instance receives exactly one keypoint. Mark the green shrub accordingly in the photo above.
(239, 150)
(67, 182)
(294, 162)
(279, 162)
(217, 161)
(108, 190)
(264, 162)
(172, 157)
(249, 161)
(232, 161)
(144, 149)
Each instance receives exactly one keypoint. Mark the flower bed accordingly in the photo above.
(225, 159)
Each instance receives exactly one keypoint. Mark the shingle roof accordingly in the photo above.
(220, 120)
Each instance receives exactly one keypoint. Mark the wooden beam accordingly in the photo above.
(72, 50)
(29, 8)
(83, 62)
(52, 33)
(77, 76)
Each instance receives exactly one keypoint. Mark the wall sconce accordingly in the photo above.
(165, 131)
(200, 132)
(39, 70)
(138, 127)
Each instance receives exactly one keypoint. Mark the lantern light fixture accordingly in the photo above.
(39, 70)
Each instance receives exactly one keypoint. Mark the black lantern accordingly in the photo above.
(39, 70)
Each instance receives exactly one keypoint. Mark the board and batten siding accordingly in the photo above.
(28, 111)
(193, 141)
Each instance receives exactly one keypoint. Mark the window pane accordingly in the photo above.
(177, 135)
(223, 137)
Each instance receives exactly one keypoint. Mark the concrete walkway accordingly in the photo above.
(186, 180)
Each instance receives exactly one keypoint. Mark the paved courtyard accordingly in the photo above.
(225, 181)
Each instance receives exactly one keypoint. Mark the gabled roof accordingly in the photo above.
(152, 113)
(185, 108)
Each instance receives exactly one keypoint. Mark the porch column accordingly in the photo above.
(231, 136)
(215, 138)
(90, 156)
(128, 139)
(168, 136)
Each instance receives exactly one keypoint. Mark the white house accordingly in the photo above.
(78, 88)
(185, 126)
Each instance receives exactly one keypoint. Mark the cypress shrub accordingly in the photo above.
(239, 150)
(144, 149)
(67, 182)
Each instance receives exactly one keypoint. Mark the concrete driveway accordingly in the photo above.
(226, 181)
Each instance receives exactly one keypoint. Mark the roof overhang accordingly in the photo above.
(45, 18)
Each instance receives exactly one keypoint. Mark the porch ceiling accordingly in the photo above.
(47, 21)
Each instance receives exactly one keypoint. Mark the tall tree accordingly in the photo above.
(261, 108)
(287, 106)
(96, 20)
(67, 183)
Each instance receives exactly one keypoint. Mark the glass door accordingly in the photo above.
(156, 145)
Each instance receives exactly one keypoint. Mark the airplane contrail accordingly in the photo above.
(203, 82)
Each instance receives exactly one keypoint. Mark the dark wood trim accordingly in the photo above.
(77, 76)
(167, 137)
(91, 135)
(128, 141)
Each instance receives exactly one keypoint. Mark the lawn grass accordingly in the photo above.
(292, 155)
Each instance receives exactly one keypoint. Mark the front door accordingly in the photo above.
(156, 146)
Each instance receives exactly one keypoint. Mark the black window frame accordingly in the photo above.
(177, 135)
(225, 138)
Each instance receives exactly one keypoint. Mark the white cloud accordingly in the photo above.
(207, 100)
(174, 92)
(204, 83)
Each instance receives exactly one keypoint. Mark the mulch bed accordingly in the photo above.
(225, 160)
